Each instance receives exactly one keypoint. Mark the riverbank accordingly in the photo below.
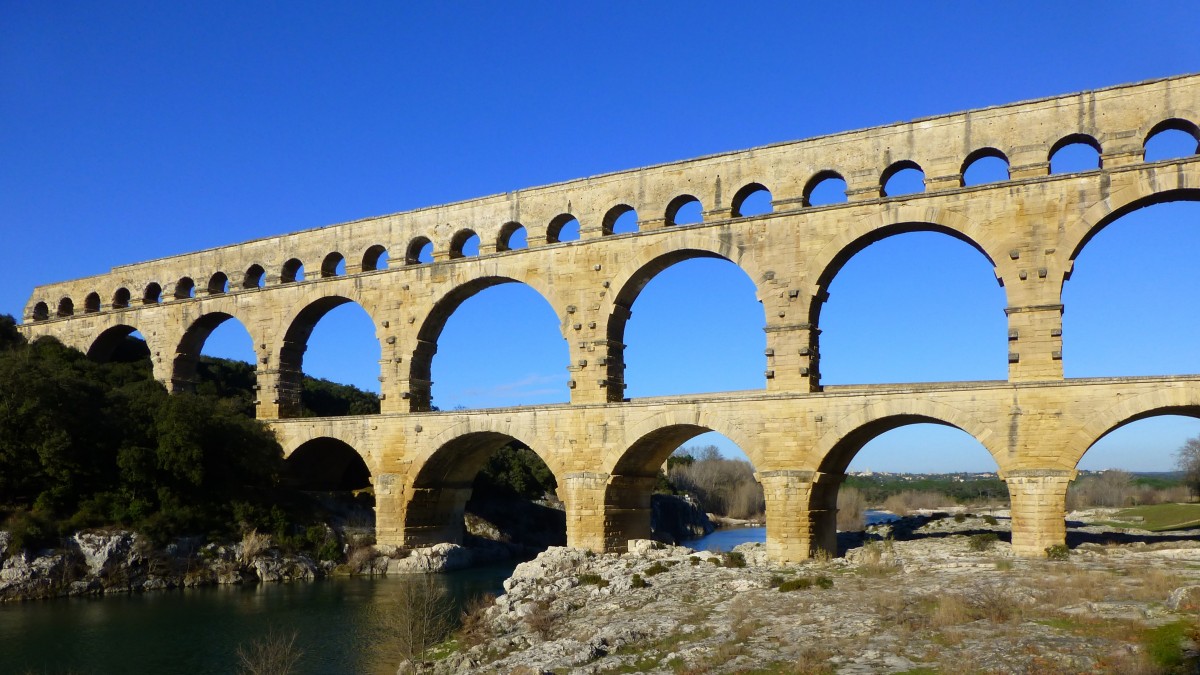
(104, 562)
(938, 594)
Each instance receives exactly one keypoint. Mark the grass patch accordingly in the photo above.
(1159, 517)
(1164, 644)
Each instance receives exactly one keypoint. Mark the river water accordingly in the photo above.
(343, 625)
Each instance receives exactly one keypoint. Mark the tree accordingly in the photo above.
(1188, 461)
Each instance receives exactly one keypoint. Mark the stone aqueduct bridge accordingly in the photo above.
(604, 450)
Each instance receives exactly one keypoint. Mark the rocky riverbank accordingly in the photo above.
(921, 595)
(117, 561)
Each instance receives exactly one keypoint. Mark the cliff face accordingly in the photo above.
(674, 519)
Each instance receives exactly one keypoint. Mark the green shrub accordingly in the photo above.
(959, 517)
(776, 581)
(589, 579)
(715, 561)
(991, 520)
(29, 532)
(656, 568)
(982, 542)
(803, 583)
(823, 582)
(733, 559)
(694, 561)
(636, 581)
(1058, 552)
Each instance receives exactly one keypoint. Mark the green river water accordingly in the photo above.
(343, 625)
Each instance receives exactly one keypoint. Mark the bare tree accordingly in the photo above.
(275, 654)
(725, 487)
(1188, 461)
(424, 615)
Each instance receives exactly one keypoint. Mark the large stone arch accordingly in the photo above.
(836, 447)
(1180, 184)
(1177, 399)
(106, 342)
(328, 463)
(434, 322)
(288, 353)
(624, 490)
(829, 261)
(676, 426)
(639, 271)
(437, 489)
(187, 351)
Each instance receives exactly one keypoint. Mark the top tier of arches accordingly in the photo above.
(1020, 141)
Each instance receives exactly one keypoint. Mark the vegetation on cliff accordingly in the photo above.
(86, 444)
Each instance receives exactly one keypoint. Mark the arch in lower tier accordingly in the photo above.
(836, 448)
(441, 482)
(1182, 399)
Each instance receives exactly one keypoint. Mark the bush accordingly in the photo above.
(982, 542)
(29, 531)
(803, 583)
(636, 581)
(733, 559)
(590, 579)
(991, 520)
(960, 518)
(254, 545)
(656, 568)
(800, 584)
(1058, 552)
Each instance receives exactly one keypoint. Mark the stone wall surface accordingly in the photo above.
(604, 449)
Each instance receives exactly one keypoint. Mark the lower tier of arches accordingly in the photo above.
(605, 458)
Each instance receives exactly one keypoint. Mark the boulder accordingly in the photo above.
(103, 551)
(1184, 599)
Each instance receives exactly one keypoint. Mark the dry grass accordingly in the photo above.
(541, 620)
(474, 628)
(254, 545)
(878, 559)
(359, 558)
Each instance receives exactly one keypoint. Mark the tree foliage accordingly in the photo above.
(515, 471)
(86, 444)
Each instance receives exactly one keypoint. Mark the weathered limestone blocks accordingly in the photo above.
(1039, 507)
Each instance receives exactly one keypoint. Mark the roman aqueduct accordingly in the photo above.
(604, 449)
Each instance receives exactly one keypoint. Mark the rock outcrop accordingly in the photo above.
(117, 561)
(943, 594)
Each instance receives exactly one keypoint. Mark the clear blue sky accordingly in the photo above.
(130, 131)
